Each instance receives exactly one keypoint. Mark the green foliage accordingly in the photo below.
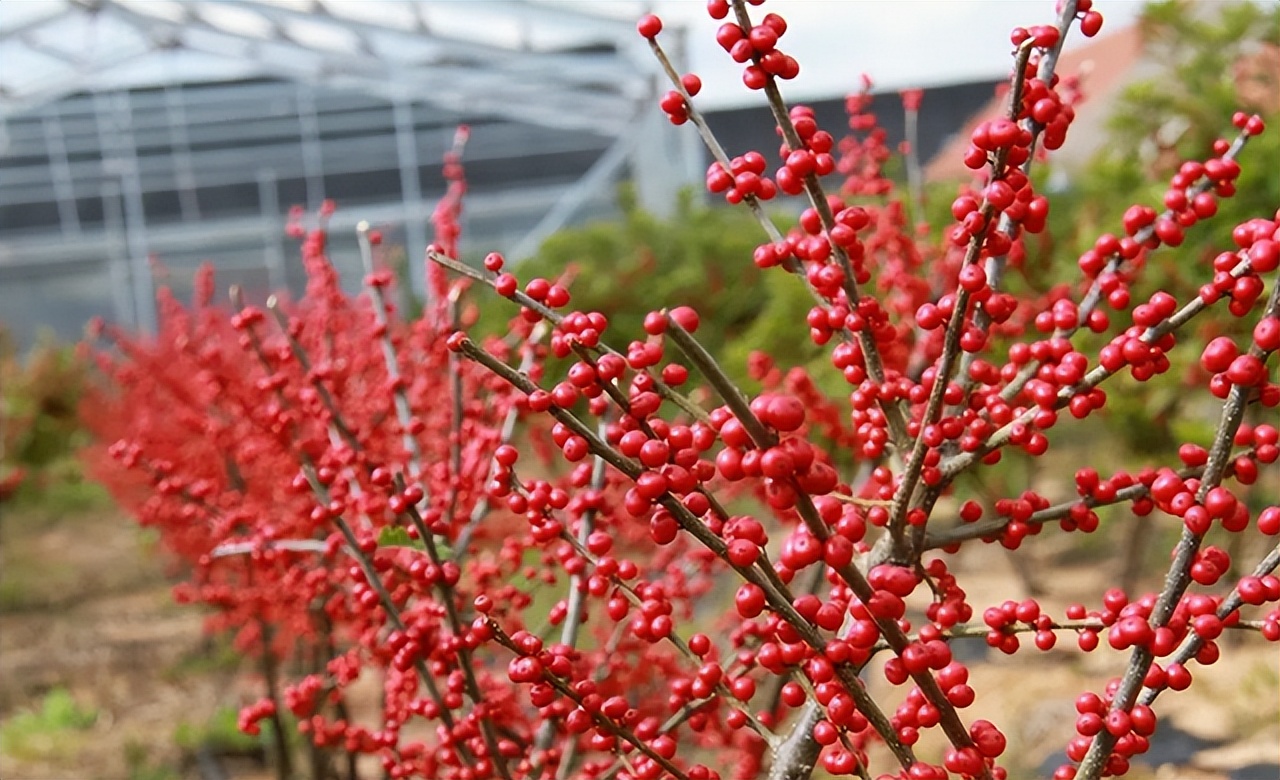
(700, 256)
(141, 766)
(59, 490)
(41, 395)
(395, 536)
(398, 536)
(40, 428)
(1256, 685)
(34, 585)
(1213, 60)
(217, 655)
(220, 733)
(46, 732)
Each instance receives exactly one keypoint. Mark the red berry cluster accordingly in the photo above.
(756, 44)
(537, 564)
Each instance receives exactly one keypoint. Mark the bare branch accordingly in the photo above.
(1179, 574)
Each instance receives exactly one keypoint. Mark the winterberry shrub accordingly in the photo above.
(635, 569)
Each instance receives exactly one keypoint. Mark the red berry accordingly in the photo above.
(1000, 194)
(685, 317)
(1266, 334)
(505, 285)
(1269, 521)
(649, 26)
(763, 38)
(750, 600)
(1264, 255)
(784, 413)
(1218, 355)
(1090, 24)
(1246, 370)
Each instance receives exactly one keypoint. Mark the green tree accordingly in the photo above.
(701, 256)
(1214, 59)
(39, 413)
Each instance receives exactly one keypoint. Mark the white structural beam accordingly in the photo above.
(573, 89)
(457, 88)
(114, 119)
(136, 126)
(601, 174)
(415, 230)
(564, 68)
(228, 165)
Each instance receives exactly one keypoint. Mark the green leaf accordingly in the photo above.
(398, 536)
(395, 536)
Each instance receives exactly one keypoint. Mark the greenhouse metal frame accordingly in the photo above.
(133, 130)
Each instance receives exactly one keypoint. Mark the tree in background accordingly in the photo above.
(40, 428)
(693, 258)
(1215, 58)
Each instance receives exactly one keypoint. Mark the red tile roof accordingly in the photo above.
(1105, 66)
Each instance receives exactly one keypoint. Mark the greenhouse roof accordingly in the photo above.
(559, 64)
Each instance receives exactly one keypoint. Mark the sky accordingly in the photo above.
(899, 43)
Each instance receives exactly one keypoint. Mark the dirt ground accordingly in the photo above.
(85, 615)
(86, 611)
(1225, 727)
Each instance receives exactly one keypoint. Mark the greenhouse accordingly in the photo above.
(133, 132)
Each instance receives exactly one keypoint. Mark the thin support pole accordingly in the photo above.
(117, 257)
(115, 130)
(312, 154)
(180, 143)
(415, 231)
(60, 172)
(272, 230)
(602, 171)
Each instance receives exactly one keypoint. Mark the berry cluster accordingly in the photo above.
(633, 568)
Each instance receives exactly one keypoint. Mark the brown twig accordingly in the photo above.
(951, 351)
(662, 388)
(779, 599)
(618, 730)
(1192, 644)
(763, 438)
(961, 461)
(577, 597)
(893, 412)
(1179, 574)
(986, 528)
(1093, 297)
(365, 563)
(995, 266)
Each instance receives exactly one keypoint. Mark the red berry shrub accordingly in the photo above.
(533, 566)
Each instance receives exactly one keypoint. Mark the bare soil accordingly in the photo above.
(86, 608)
